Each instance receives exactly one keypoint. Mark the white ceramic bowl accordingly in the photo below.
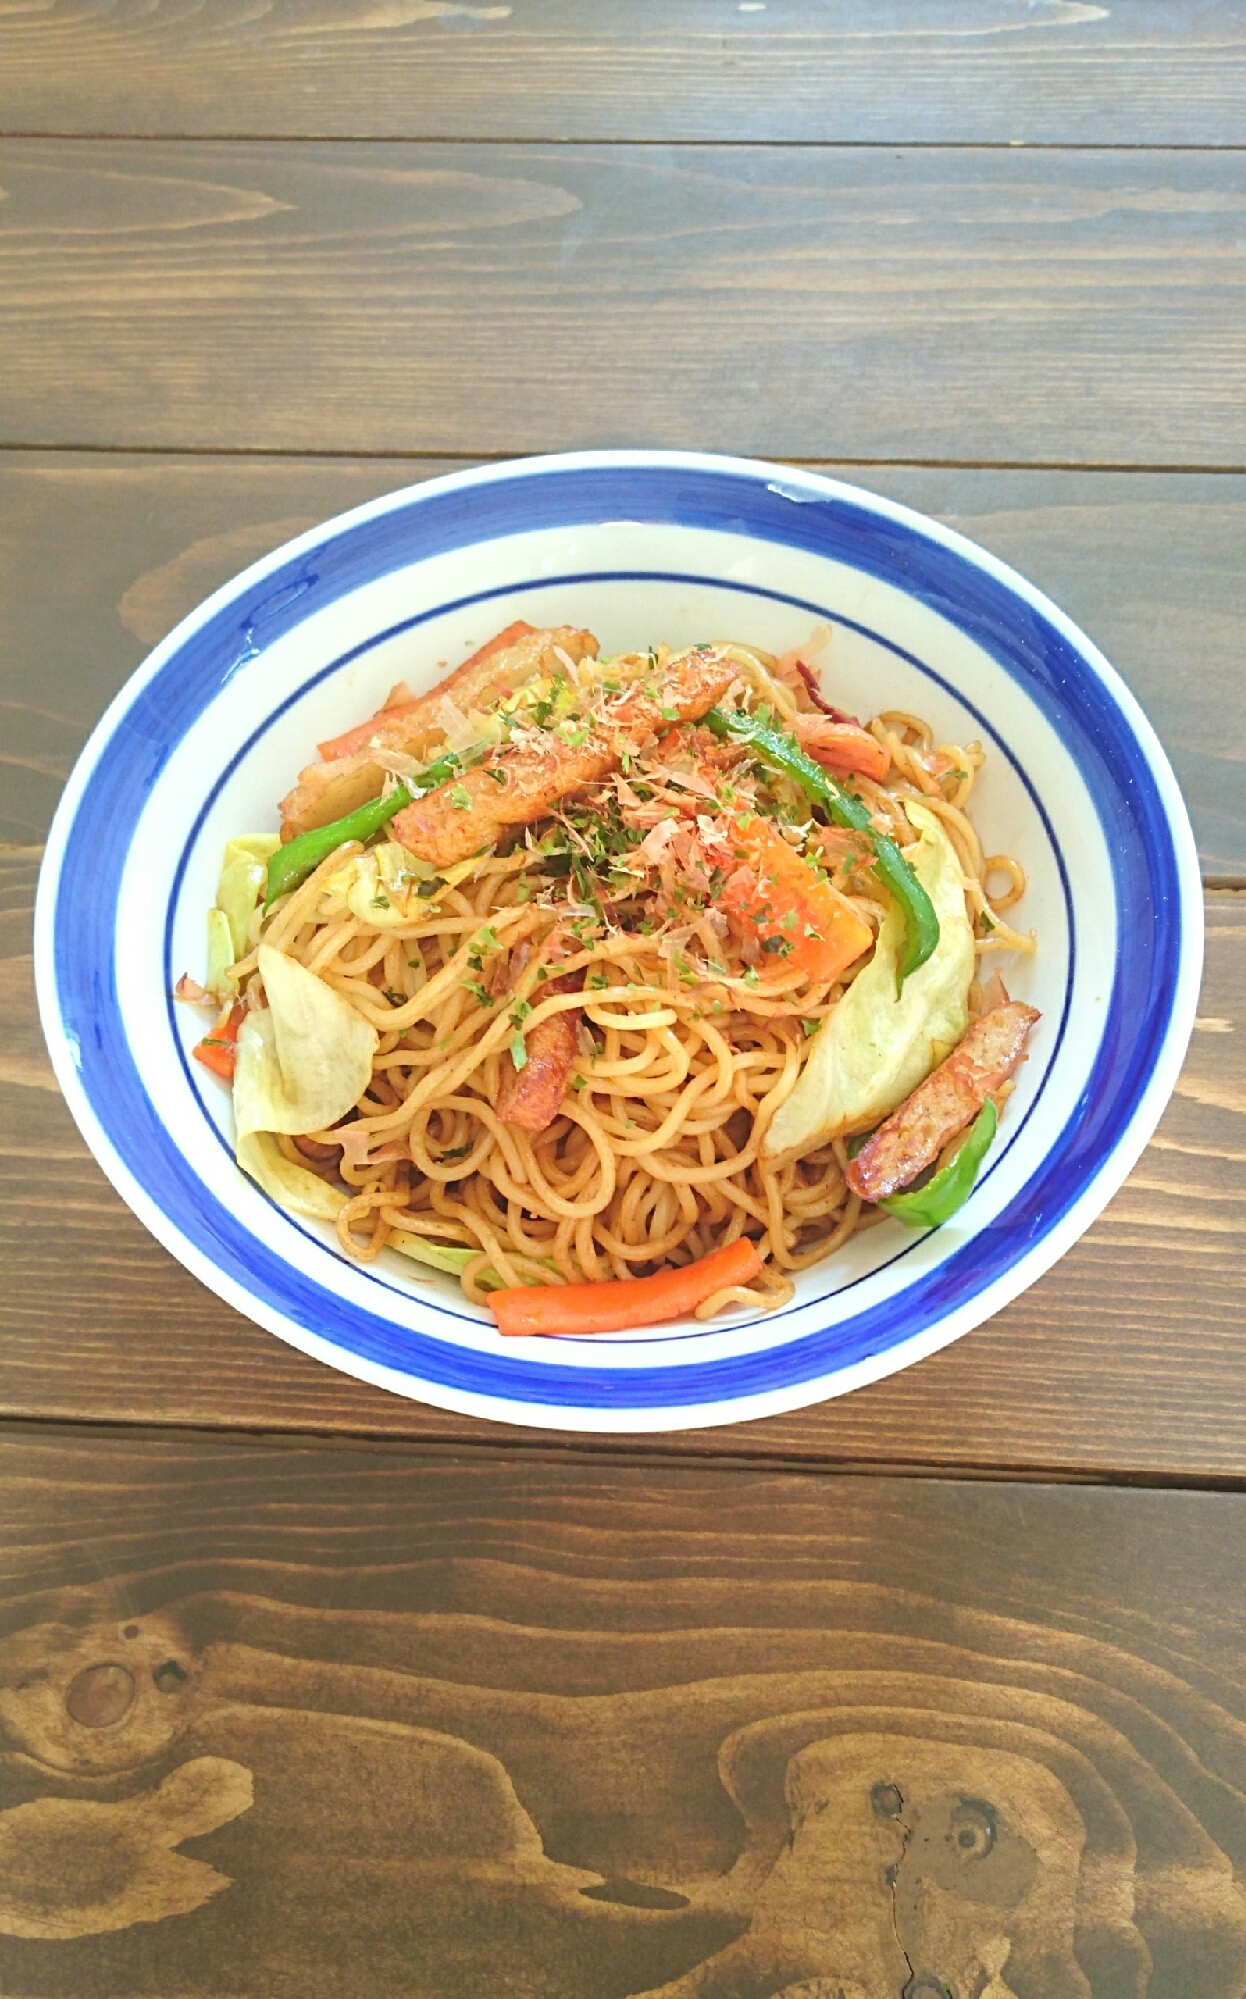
(641, 547)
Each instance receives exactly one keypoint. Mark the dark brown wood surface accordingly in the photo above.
(1126, 1360)
(984, 304)
(318, 1720)
(307, 1690)
(1046, 71)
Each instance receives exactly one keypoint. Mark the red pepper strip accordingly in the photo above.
(619, 1304)
(217, 1050)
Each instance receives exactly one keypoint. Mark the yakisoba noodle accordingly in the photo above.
(620, 911)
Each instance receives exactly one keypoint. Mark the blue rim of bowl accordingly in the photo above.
(1143, 822)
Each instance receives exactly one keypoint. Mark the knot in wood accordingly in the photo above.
(100, 1696)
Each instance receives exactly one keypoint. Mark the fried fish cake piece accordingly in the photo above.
(525, 779)
(350, 776)
(950, 1098)
(531, 1097)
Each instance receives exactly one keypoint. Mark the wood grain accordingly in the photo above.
(940, 70)
(1064, 307)
(101, 554)
(443, 1729)
(1125, 1360)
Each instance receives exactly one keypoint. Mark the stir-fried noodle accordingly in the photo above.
(611, 950)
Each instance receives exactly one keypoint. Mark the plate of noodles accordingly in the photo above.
(624, 941)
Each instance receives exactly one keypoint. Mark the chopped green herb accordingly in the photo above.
(519, 1013)
(810, 1027)
(428, 888)
(461, 798)
(380, 901)
(519, 1054)
(457, 1152)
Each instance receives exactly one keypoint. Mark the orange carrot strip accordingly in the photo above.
(621, 1303)
(803, 924)
(354, 739)
(217, 1050)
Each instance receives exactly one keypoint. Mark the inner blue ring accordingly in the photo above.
(1017, 635)
(814, 610)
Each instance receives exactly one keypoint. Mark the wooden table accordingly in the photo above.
(935, 1690)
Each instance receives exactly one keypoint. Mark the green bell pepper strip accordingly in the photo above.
(926, 1207)
(300, 857)
(783, 753)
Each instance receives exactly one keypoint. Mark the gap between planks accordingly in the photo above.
(469, 460)
(621, 1452)
(243, 137)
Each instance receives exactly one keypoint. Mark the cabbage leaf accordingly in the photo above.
(878, 1045)
(305, 1059)
(243, 874)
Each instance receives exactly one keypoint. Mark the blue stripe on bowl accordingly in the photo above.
(1026, 643)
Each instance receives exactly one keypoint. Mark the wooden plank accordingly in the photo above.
(99, 558)
(1064, 307)
(442, 1729)
(1126, 1359)
(967, 70)
(100, 555)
